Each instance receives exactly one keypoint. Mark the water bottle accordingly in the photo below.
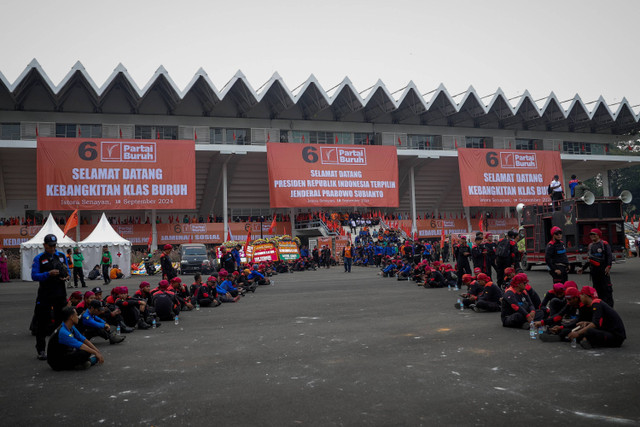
(118, 330)
(532, 331)
(449, 286)
(541, 330)
(461, 305)
(197, 305)
(176, 320)
(574, 343)
(153, 323)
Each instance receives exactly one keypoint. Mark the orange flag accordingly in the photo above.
(273, 224)
(246, 244)
(72, 222)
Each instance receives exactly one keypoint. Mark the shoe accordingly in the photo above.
(586, 344)
(474, 308)
(525, 326)
(93, 360)
(42, 355)
(550, 337)
(143, 325)
(83, 366)
(116, 339)
(457, 306)
(126, 329)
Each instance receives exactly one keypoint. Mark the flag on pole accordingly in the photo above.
(456, 143)
(229, 235)
(268, 136)
(195, 135)
(442, 236)
(273, 224)
(246, 244)
(72, 222)
(480, 223)
(149, 241)
(120, 133)
(399, 141)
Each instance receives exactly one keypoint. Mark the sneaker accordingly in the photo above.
(83, 366)
(93, 360)
(525, 326)
(586, 344)
(550, 337)
(42, 355)
(474, 308)
(457, 306)
(143, 325)
(116, 339)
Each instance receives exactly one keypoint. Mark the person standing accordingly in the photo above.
(236, 257)
(556, 257)
(4, 267)
(506, 255)
(462, 258)
(599, 263)
(168, 271)
(105, 263)
(78, 258)
(50, 269)
(347, 256)
(556, 190)
(572, 184)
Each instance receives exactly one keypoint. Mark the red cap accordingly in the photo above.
(176, 280)
(571, 292)
(211, 279)
(509, 270)
(477, 270)
(589, 291)
(76, 294)
(558, 287)
(596, 231)
(467, 278)
(223, 273)
(554, 230)
(519, 278)
(144, 284)
(87, 294)
(165, 247)
(163, 284)
(483, 277)
(235, 273)
(570, 284)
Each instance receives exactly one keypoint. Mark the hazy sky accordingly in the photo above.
(566, 46)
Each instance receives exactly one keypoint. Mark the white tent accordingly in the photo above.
(102, 235)
(31, 248)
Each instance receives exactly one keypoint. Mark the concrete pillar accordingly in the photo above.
(154, 231)
(225, 214)
(414, 227)
(606, 185)
(78, 227)
(467, 213)
(292, 215)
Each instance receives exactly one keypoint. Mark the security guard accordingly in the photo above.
(599, 262)
(556, 257)
(51, 270)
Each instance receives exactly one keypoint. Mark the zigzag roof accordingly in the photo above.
(310, 99)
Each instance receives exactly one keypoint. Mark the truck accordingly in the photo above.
(576, 218)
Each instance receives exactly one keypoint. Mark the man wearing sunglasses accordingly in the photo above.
(556, 257)
(50, 269)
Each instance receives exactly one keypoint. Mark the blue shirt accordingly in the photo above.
(70, 338)
(36, 275)
(225, 287)
(255, 274)
(91, 321)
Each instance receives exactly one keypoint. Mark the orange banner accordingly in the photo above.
(490, 177)
(99, 174)
(302, 175)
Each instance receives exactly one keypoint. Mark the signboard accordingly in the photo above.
(341, 243)
(264, 252)
(288, 251)
(495, 178)
(303, 175)
(104, 174)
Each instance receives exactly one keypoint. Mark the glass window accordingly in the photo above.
(529, 144)
(424, 142)
(66, 130)
(216, 136)
(301, 136)
(90, 131)
(10, 131)
(237, 136)
(343, 138)
(363, 138)
(570, 147)
(479, 142)
(156, 132)
(144, 132)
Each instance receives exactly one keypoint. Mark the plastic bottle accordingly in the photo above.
(540, 330)
(176, 320)
(153, 323)
(118, 330)
(532, 331)
(461, 305)
(574, 343)
(449, 286)
(197, 305)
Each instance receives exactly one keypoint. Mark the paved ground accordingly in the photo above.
(326, 348)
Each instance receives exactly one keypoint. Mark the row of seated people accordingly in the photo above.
(564, 314)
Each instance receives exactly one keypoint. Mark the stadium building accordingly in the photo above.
(231, 126)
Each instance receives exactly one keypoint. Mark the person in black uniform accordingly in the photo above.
(462, 258)
(600, 260)
(489, 298)
(506, 255)
(517, 309)
(227, 260)
(168, 271)
(50, 269)
(605, 328)
(556, 257)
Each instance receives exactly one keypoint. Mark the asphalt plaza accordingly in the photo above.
(328, 348)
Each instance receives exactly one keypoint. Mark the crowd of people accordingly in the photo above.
(72, 322)
(583, 316)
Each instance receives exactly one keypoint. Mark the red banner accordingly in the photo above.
(98, 174)
(491, 177)
(264, 252)
(302, 175)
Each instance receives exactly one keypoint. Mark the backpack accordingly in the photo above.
(549, 190)
(503, 250)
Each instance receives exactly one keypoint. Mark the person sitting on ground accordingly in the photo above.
(389, 269)
(68, 348)
(95, 273)
(94, 326)
(74, 299)
(197, 282)
(474, 289)
(533, 295)
(133, 310)
(242, 281)
(605, 328)
(164, 301)
(404, 271)
(110, 312)
(509, 273)
(517, 309)
(256, 277)
(433, 278)
(115, 273)
(226, 291)
(84, 304)
(489, 298)
(560, 324)
(554, 300)
(144, 292)
(182, 294)
(205, 293)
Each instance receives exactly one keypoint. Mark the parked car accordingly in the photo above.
(193, 258)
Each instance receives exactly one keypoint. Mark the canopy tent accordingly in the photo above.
(31, 248)
(105, 235)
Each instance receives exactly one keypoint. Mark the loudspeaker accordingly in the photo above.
(588, 198)
(626, 196)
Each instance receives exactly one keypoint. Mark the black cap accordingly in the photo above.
(95, 304)
(97, 290)
(50, 239)
(512, 233)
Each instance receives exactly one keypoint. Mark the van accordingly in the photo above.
(194, 258)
